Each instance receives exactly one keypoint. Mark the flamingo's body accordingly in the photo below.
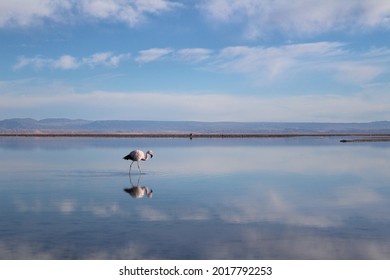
(139, 192)
(138, 155)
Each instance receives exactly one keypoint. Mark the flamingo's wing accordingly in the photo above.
(135, 155)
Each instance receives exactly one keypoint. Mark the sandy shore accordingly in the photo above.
(371, 139)
(367, 137)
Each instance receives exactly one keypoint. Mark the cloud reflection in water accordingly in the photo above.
(214, 202)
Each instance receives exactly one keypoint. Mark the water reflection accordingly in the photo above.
(285, 201)
(137, 191)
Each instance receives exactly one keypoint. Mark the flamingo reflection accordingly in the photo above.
(137, 191)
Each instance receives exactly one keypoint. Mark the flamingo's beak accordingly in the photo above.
(151, 156)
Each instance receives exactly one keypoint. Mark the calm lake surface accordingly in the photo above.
(289, 198)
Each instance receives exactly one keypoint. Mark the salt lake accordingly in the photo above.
(260, 198)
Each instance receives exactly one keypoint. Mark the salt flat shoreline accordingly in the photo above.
(368, 136)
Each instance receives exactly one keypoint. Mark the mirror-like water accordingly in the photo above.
(298, 198)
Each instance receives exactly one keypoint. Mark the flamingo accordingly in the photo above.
(138, 155)
(136, 191)
(139, 192)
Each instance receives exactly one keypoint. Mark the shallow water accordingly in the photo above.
(288, 198)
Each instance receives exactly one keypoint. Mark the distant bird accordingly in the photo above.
(138, 155)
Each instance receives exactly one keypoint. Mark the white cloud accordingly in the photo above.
(375, 13)
(264, 66)
(105, 58)
(300, 17)
(153, 54)
(325, 58)
(357, 72)
(131, 12)
(25, 13)
(67, 62)
(367, 106)
(183, 55)
(100, 8)
(271, 66)
(193, 54)
(37, 62)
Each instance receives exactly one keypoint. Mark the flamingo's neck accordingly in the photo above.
(148, 192)
(146, 157)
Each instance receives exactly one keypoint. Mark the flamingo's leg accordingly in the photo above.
(139, 169)
(130, 167)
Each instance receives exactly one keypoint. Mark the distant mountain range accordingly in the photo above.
(27, 125)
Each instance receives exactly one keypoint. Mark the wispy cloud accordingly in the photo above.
(188, 55)
(26, 13)
(105, 58)
(67, 62)
(129, 12)
(152, 54)
(326, 58)
(263, 65)
(193, 54)
(302, 17)
(365, 106)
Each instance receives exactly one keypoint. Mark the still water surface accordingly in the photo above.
(296, 198)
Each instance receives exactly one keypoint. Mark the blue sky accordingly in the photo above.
(216, 60)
